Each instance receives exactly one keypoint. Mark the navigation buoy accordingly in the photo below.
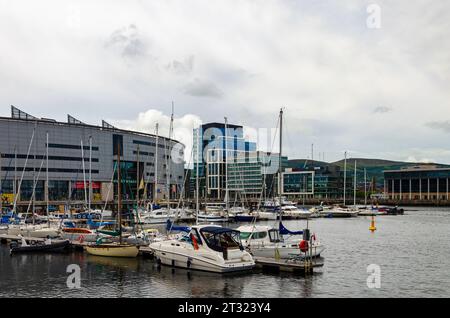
(372, 226)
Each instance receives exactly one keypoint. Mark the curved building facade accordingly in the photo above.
(79, 152)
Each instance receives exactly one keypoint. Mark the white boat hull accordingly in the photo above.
(212, 218)
(199, 263)
(284, 252)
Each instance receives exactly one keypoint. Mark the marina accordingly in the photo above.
(401, 246)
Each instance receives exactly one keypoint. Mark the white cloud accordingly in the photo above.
(146, 122)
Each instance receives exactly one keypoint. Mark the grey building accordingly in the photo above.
(79, 152)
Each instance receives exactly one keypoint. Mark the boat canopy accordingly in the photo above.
(216, 230)
(171, 227)
(285, 231)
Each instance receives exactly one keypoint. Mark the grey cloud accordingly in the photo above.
(127, 41)
(439, 125)
(200, 88)
(181, 68)
(382, 109)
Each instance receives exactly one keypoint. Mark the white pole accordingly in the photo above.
(354, 188)
(155, 190)
(197, 188)
(90, 173)
(84, 174)
(345, 174)
(23, 170)
(226, 165)
(48, 193)
(365, 187)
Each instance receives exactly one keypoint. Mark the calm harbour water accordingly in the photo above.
(412, 250)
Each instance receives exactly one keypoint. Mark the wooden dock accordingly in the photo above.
(287, 265)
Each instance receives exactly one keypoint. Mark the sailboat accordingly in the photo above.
(119, 249)
(209, 248)
(342, 211)
(267, 241)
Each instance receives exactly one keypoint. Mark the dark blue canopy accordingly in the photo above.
(285, 231)
(171, 227)
(216, 230)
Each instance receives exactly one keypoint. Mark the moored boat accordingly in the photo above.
(209, 248)
(113, 250)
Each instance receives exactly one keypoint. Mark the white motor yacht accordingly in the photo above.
(339, 212)
(209, 248)
(292, 212)
(266, 241)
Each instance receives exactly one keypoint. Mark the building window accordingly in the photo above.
(58, 190)
(65, 146)
(117, 142)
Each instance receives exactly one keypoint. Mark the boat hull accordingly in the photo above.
(56, 246)
(245, 218)
(113, 250)
(284, 252)
(197, 263)
(207, 218)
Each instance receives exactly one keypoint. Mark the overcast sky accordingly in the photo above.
(376, 92)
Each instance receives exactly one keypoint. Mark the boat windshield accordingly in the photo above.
(244, 235)
(220, 239)
(274, 236)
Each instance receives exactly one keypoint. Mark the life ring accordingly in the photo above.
(304, 246)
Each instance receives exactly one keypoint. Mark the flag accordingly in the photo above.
(142, 185)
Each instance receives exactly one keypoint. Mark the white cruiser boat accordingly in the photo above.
(159, 216)
(30, 230)
(209, 248)
(339, 212)
(266, 241)
(292, 212)
(267, 215)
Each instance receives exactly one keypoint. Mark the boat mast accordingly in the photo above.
(279, 161)
(168, 159)
(354, 188)
(138, 180)
(345, 174)
(48, 193)
(119, 194)
(15, 172)
(197, 188)
(90, 174)
(23, 170)
(226, 165)
(84, 173)
(155, 190)
(365, 187)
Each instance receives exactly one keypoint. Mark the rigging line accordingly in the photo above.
(182, 189)
(24, 167)
(33, 194)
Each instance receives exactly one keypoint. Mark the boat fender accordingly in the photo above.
(303, 246)
(189, 263)
(313, 237)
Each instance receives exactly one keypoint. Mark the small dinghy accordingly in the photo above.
(43, 246)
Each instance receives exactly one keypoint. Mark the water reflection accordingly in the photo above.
(404, 246)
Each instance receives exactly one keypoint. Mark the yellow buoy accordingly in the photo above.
(372, 226)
